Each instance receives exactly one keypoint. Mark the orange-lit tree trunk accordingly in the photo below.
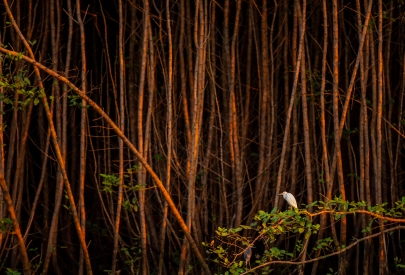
(379, 200)
(121, 124)
(169, 134)
(337, 133)
(83, 131)
(290, 108)
(325, 158)
(141, 173)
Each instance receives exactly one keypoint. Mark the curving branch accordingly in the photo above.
(328, 255)
(382, 217)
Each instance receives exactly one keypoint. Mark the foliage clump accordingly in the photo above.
(268, 229)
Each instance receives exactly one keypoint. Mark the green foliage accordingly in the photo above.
(75, 100)
(133, 256)
(323, 244)
(278, 254)
(130, 204)
(108, 182)
(133, 169)
(347, 132)
(12, 81)
(21, 84)
(269, 227)
(9, 271)
(331, 272)
(96, 229)
(159, 157)
(398, 265)
(355, 176)
(111, 181)
(6, 225)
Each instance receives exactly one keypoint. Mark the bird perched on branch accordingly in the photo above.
(289, 198)
(247, 255)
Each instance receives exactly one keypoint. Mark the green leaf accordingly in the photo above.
(301, 230)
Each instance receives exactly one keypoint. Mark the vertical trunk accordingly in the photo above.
(211, 61)
(325, 158)
(121, 124)
(362, 127)
(291, 104)
(338, 156)
(367, 188)
(305, 121)
(197, 110)
(263, 102)
(83, 128)
(295, 118)
(141, 173)
(307, 152)
(381, 254)
(169, 123)
(2, 157)
(53, 232)
(64, 136)
(183, 75)
(234, 128)
(390, 107)
(10, 208)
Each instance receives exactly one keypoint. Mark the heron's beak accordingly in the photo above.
(280, 194)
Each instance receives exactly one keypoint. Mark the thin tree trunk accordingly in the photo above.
(292, 100)
(83, 132)
(121, 124)
(325, 158)
(381, 254)
(169, 123)
(10, 208)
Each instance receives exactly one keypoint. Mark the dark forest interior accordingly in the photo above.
(154, 137)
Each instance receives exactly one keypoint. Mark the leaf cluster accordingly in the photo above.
(111, 181)
(270, 226)
(15, 78)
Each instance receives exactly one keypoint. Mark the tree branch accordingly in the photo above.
(329, 255)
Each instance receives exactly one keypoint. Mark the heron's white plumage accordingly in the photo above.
(290, 199)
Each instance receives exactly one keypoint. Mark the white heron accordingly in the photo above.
(289, 198)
